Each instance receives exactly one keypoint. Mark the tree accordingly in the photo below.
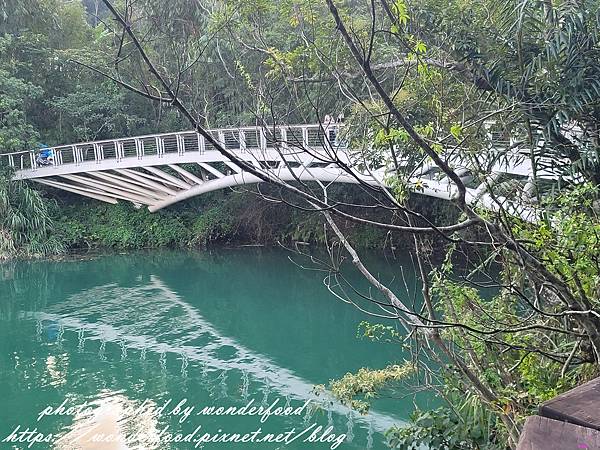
(96, 115)
(16, 131)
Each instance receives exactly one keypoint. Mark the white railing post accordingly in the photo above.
(263, 139)
(160, 150)
(201, 145)
(11, 160)
(139, 148)
(96, 153)
(32, 160)
(242, 138)
(120, 151)
(180, 144)
(221, 137)
(284, 142)
(305, 137)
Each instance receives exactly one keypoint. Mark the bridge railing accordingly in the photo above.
(287, 138)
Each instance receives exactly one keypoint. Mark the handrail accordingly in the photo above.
(265, 138)
(266, 132)
(145, 136)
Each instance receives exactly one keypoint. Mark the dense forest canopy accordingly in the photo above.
(417, 82)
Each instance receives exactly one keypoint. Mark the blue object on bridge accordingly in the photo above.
(45, 156)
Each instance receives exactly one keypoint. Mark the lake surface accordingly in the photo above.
(128, 342)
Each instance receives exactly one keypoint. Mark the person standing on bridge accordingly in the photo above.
(45, 156)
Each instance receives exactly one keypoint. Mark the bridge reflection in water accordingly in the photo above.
(153, 325)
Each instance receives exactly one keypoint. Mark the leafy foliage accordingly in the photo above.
(98, 114)
(25, 223)
(221, 217)
(16, 131)
(444, 429)
(358, 389)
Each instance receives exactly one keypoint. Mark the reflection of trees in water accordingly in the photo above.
(23, 284)
(32, 285)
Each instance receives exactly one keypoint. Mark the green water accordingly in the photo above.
(118, 337)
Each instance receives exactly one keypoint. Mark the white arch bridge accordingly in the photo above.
(162, 169)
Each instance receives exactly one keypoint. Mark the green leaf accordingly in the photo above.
(456, 131)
